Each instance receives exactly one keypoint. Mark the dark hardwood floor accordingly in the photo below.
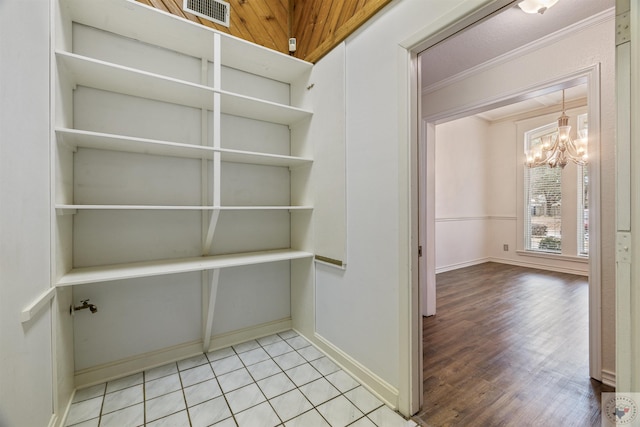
(508, 347)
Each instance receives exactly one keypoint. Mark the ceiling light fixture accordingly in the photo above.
(557, 148)
(536, 6)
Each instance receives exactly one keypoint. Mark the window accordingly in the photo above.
(545, 216)
(583, 194)
(543, 199)
(583, 211)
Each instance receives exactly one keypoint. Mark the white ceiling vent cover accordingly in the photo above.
(213, 10)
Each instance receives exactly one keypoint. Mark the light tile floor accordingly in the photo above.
(278, 380)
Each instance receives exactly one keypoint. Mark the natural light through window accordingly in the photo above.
(543, 198)
(545, 192)
(583, 194)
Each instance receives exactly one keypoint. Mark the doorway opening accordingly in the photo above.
(477, 209)
(476, 90)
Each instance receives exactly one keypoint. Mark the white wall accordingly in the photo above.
(593, 45)
(477, 171)
(359, 309)
(462, 192)
(26, 372)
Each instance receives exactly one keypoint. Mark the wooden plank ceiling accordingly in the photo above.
(264, 22)
(318, 25)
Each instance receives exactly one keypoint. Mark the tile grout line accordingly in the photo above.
(235, 353)
(104, 396)
(223, 394)
(184, 397)
(256, 382)
(296, 387)
(144, 398)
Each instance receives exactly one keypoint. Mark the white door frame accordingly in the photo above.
(410, 394)
(591, 76)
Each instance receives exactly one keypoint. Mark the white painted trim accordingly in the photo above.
(134, 364)
(376, 385)
(53, 421)
(214, 277)
(537, 44)
(131, 365)
(247, 334)
(509, 261)
(411, 394)
(559, 257)
(595, 245)
(459, 265)
(503, 218)
(409, 398)
(538, 266)
(462, 219)
(427, 214)
(38, 304)
(61, 421)
(453, 22)
(608, 378)
(476, 218)
(629, 368)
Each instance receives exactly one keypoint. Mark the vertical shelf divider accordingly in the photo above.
(217, 69)
(204, 192)
(216, 186)
(213, 291)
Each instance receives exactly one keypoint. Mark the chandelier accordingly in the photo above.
(557, 148)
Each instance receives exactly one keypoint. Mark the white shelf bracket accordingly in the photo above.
(213, 221)
(38, 304)
(214, 276)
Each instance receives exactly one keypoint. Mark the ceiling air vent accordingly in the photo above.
(213, 10)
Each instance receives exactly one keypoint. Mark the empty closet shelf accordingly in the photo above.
(106, 273)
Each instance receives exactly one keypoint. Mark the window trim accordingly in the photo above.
(570, 249)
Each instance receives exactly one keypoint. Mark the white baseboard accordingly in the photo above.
(376, 385)
(608, 378)
(538, 266)
(120, 368)
(461, 265)
(61, 421)
(131, 365)
(247, 334)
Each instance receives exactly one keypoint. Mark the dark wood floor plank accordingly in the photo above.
(509, 347)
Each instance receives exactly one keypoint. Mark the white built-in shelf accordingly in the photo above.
(106, 76)
(106, 273)
(70, 208)
(74, 138)
(252, 157)
(264, 208)
(124, 17)
(253, 108)
(103, 75)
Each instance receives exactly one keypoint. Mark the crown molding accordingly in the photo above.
(547, 40)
